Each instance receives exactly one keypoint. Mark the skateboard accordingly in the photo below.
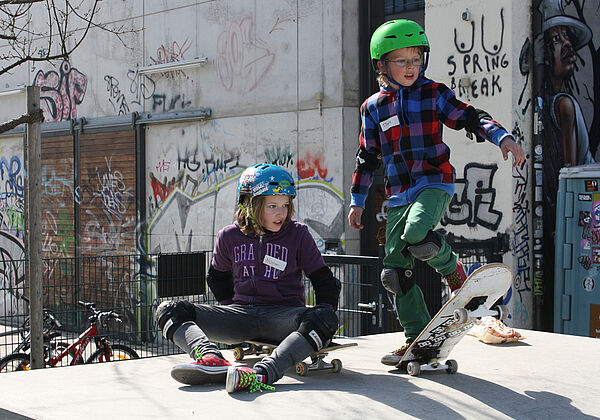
(317, 358)
(475, 299)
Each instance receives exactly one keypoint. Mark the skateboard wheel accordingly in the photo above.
(238, 353)
(461, 315)
(452, 366)
(503, 311)
(413, 368)
(302, 369)
(337, 365)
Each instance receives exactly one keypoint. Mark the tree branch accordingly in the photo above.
(10, 2)
(33, 117)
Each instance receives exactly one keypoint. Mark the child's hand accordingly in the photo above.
(354, 217)
(509, 145)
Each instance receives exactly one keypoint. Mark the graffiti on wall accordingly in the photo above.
(12, 274)
(567, 122)
(313, 167)
(243, 58)
(60, 92)
(479, 56)
(474, 199)
(12, 196)
(141, 88)
(106, 230)
(169, 53)
(522, 282)
(12, 234)
(280, 154)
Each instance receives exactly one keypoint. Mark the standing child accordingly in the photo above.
(256, 275)
(402, 125)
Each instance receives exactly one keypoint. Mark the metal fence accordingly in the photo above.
(134, 285)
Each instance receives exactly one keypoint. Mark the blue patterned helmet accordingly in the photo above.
(265, 179)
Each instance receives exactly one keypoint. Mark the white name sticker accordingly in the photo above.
(275, 262)
(390, 122)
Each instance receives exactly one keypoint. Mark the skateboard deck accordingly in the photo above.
(318, 363)
(472, 301)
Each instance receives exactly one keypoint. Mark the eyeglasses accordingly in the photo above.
(415, 62)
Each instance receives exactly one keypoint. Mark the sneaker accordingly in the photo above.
(209, 369)
(393, 358)
(456, 278)
(242, 377)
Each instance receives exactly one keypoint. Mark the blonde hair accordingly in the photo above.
(249, 214)
(382, 78)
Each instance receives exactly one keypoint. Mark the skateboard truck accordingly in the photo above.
(318, 363)
(253, 349)
(414, 368)
(476, 309)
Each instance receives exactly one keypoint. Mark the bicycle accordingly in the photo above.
(105, 350)
(49, 331)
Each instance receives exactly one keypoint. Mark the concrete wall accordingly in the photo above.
(491, 196)
(282, 83)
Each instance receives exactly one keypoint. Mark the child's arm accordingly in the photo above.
(326, 286)
(458, 115)
(221, 285)
(509, 145)
(367, 161)
(220, 273)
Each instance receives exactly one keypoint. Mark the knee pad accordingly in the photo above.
(171, 315)
(397, 280)
(318, 325)
(427, 248)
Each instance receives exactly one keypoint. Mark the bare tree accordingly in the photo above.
(43, 31)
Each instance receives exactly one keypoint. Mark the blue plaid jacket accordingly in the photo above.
(404, 128)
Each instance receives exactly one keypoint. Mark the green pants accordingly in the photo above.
(409, 225)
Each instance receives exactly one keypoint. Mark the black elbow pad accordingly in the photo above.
(220, 283)
(327, 287)
(366, 161)
(473, 119)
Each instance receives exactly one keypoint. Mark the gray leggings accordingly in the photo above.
(232, 324)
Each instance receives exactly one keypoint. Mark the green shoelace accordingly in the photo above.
(249, 380)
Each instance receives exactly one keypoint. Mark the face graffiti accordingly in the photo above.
(563, 57)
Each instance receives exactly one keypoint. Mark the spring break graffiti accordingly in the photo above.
(61, 92)
(472, 63)
(474, 199)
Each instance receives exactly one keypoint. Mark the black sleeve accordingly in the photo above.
(327, 287)
(220, 283)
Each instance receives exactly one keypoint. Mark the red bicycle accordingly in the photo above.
(55, 354)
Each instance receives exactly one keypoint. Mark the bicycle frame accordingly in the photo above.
(77, 348)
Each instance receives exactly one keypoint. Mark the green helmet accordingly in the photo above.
(394, 34)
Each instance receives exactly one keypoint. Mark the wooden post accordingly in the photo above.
(33, 197)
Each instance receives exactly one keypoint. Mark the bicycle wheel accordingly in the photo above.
(119, 352)
(14, 362)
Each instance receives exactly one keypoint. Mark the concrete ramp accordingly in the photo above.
(546, 375)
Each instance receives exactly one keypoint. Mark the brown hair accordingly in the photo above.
(250, 213)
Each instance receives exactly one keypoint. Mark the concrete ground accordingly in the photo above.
(544, 376)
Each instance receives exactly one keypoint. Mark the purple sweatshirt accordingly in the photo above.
(267, 270)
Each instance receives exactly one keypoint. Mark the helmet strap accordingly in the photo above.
(422, 72)
(388, 75)
(249, 212)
